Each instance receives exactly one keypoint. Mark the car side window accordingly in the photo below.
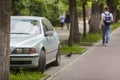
(44, 26)
(47, 25)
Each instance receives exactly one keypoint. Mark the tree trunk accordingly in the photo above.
(101, 8)
(113, 7)
(95, 17)
(84, 19)
(4, 39)
(74, 30)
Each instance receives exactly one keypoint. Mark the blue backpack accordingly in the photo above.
(107, 20)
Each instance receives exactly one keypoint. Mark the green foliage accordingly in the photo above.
(64, 1)
(53, 13)
(75, 49)
(44, 8)
(20, 7)
(90, 39)
(37, 8)
(116, 2)
(63, 7)
(118, 14)
(115, 25)
(26, 75)
(89, 4)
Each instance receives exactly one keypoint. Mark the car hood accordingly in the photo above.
(24, 40)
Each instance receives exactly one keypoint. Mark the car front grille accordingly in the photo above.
(20, 62)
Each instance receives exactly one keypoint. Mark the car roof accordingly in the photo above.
(28, 17)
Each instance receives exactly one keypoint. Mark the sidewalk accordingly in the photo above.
(64, 34)
(97, 63)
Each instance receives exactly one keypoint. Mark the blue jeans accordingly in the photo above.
(105, 34)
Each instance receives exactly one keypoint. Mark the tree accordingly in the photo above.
(20, 7)
(84, 19)
(45, 8)
(113, 6)
(4, 39)
(95, 17)
(74, 30)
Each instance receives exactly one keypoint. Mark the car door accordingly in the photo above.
(50, 40)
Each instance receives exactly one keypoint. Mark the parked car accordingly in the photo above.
(33, 43)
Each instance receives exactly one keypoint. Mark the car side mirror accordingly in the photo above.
(49, 33)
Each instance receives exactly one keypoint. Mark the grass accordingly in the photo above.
(90, 39)
(115, 25)
(26, 75)
(75, 49)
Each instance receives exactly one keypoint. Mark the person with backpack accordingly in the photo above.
(105, 22)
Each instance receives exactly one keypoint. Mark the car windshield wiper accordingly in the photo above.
(19, 33)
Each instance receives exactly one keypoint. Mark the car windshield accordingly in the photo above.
(24, 26)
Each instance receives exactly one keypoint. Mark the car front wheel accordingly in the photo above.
(42, 61)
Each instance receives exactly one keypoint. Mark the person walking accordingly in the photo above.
(106, 20)
(62, 20)
(67, 20)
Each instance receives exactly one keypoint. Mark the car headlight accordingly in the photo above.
(24, 51)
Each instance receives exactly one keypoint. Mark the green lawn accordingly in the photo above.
(90, 39)
(115, 25)
(26, 75)
(75, 49)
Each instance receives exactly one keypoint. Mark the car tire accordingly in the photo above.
(58, 58)
(42, 62)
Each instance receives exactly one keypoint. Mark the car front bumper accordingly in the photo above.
(27, 60)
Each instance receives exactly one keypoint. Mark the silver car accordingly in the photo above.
(33, 43)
